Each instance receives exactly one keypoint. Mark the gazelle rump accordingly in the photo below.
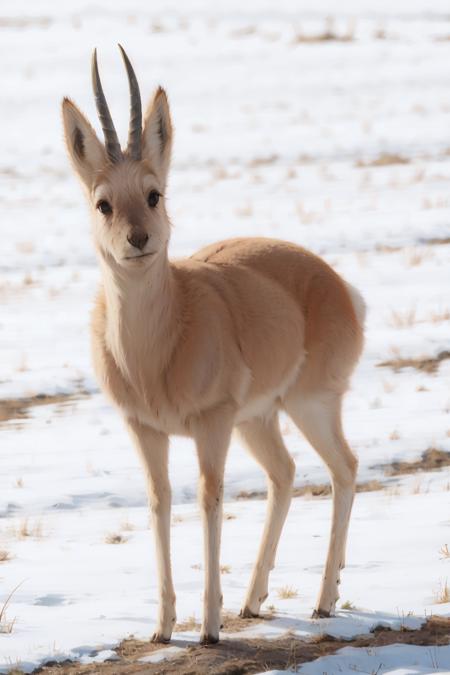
(225, 339)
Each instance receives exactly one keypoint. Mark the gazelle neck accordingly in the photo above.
(141, 308)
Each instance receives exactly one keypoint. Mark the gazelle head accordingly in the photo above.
(125, 188)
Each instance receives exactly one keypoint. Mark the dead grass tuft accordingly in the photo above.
(424, 364)
(263, 161)
(229, 516)
(404, 319)
(329, 34)
(444, 551)
(385, 159)
(177, 519)
(225, 569)
(317, 490)
(348, 605)
(287, 592)
(25, 530)
(189, 624)
(439, 315)
(430, 460)
(6, 625)
(127, 526)
(115, 538)
(4, 555)
(416, 257)
(442, 594)
(17, 408)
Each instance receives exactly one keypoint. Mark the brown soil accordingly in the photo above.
(385, 159)
(18, 408)
(431, 460)
(426, 364)
(244, 656)
(317, 490)
(231, 623)
(437, 241)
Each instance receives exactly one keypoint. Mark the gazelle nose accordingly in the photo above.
(138, 239)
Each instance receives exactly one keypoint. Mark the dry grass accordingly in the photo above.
(309, 491)
(415, 257)
(263, 161)
(444, 552)
(229, 516)
(424, 364)
(404, 319)
(347, 605)
(7, 625)
(394, 435)
(287, 592)
(27, 529)
(431, 460)
(385, 159)
(329, 34)
(127, 526)
(439, 315)
(442, 593)
(17, 408)
(225, 569)
(190, 624)
(436, 203)
(4, 555)
(115, 538)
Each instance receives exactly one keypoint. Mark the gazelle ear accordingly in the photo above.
(157, 134)
(86, 152)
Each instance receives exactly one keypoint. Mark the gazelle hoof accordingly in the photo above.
(208, 639)
(246, 613)
(320, 614)
(159, 638)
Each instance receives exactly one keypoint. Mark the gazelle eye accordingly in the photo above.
(153, 198)
(104, 207)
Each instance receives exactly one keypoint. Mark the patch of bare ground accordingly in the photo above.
(246, 656)
(328, 34)
(18, 408)
(317, 490)
(428, 364)
(431, 460)
(437, 241)
(385, 159)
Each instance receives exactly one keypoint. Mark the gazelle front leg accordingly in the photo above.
(153, 448)
(212, 436)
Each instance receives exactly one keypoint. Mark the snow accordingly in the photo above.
(392, 660)
(271, 136)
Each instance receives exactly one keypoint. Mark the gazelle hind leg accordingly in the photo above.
(319, 418)
(264, 441)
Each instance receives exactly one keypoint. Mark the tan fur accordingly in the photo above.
(227, 338)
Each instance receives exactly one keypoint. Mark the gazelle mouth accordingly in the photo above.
(137, 257)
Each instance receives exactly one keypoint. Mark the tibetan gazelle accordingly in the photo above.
(223, 340)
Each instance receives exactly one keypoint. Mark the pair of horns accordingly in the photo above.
(112, 145)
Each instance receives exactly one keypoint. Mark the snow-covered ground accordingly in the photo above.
(276, 135)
